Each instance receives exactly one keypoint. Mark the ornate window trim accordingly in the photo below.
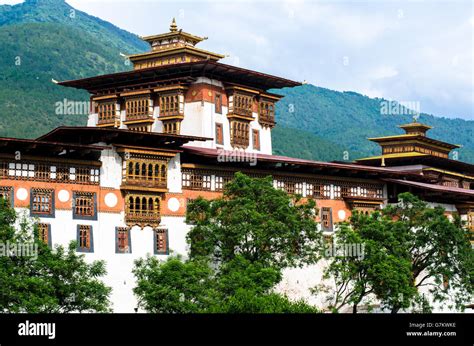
(219, 134)
(123, 235)
(326, 219)
(85, 236)
(161, 235)
(39, 198)
(79, 202)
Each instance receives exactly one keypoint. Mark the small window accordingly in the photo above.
(123, 242)
(219, 134)
(218, 103)
(85, 241)
(42, 202)
(256, 139)
(84, 205)
(326, 219)
(44, 233)
(161, 242)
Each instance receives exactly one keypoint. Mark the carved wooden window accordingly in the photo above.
(41, 171)
(84, 238)
(218, 103)
(169, 105)
(142, 209)
(137, 108)
(337, 192)
(221, 180)
(6, 192)
(172, 127)
(106, 112)
(219, 134)
(299, 188)
(241, 104)
(21, 170)
(44, 233)
(193, 179)
(256, 139)
(123, 243)
(326, 219)
(42, 202)
(84, 205)
(266, 113)
(327, 191)
(239, 133)
(161, 242)
(146, 171)
(206, 182)
(309, 190)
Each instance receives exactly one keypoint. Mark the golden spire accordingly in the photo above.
(173, 26)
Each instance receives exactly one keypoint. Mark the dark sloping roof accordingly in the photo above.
(89, 135)
(211, 69)
(421, 159)
(408, 137)
(214, 153)
(433, 187)
(33, 145)
(49, 149)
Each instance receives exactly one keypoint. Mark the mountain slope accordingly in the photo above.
(43, 40)
(348, 119)
(58, 11)
(31, 57)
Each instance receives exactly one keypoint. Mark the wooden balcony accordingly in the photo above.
(104, 122)
(138, 117)
(143, 218)
(139, 183)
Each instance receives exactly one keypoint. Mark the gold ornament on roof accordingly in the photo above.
(173, 26)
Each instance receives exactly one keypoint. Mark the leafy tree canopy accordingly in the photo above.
(47, 280)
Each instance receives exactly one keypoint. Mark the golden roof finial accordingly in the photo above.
(173, 26)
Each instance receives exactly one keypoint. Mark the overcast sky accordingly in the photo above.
(402, 50)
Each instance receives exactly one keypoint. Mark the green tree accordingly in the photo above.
(173, 286)
(375, 273)
(257, 221)
(195, 286)
(239, 245)
(406, 246)
(50, 281)
(439, 250)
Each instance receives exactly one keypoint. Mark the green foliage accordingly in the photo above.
(59, 12)
(193, 286)
(244, 301)
(56, 281)
(173, 286)
(439, 250)
(239, 245)
(254, 220)
(307, 146)
(406, 246)
(47, 39)
(347, 119)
